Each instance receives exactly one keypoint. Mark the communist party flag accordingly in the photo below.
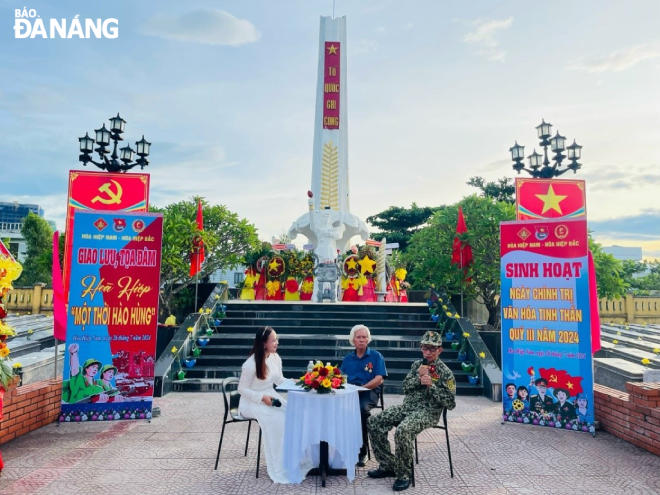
(461, 253)
(197, 257)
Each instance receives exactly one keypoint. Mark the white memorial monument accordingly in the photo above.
(329, 224)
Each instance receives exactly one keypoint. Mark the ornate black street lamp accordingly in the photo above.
(114, 163)
(544, 169)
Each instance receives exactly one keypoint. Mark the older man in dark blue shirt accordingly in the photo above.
(364, 367)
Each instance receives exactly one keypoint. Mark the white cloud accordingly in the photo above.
(364, 46)
(483, 36)
(619, 60)
(213, 27)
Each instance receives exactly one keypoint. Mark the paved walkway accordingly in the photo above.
(175, 454)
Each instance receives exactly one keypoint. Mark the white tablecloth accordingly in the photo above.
(312, 418)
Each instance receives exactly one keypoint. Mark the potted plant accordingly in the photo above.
(462, 351)
(473, 378)
(467, 367)
(202, 341)
(455, 345)
(190, 362)
(180, 373)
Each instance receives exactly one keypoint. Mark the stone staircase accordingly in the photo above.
(319, 331)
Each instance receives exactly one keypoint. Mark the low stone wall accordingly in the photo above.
(30, 407)
(633, 416)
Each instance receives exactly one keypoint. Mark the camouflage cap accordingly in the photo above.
(432, 338)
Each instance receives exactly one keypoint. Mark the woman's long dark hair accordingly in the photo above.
(259, 353)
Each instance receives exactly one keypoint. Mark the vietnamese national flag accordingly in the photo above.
(59, 304)
(197, 257)
(461, 254)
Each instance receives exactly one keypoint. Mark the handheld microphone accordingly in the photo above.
(425, 362)
(276, 402)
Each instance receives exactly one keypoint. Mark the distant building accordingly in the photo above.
(16, 244)
(15, 212)
(11, 221)
(232, 277)
(624, 252)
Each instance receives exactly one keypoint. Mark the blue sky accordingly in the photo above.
(437, 91)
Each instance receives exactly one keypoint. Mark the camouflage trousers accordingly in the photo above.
(410, 423)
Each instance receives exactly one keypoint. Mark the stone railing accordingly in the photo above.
(630, 309)
(32, 300)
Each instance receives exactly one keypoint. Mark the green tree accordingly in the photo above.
(398, 224)
(503, 189)
(609, 270)
(630, 268)
(38, 264)
(430, 250)
(226, 238)
(650, 281)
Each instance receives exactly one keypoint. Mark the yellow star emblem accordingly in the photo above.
(274, 265)
(366, 265)
(569, 385)
(551, 200)
(351, 264)
(332, 49)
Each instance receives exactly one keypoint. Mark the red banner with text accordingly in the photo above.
(331, 86)
(101, 191)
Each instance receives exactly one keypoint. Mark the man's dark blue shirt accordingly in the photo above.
(362, 370)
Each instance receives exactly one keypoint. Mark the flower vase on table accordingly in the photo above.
(323, 378)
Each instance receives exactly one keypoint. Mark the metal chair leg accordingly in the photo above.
(412, 476)
(217, 458)
(259, 452)
(416, 452)
(247, 440)
(451, 467)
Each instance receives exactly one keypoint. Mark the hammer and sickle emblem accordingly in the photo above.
(113, 197)
(553, 378)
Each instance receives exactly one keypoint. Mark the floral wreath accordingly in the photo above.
(261, 264)
(353, 272)
(276, 267)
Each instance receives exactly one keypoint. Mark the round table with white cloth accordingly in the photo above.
(312, 418)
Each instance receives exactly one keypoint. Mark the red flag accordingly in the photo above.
(59, 304)
(593, 306)
(197, 257)
(461, 253)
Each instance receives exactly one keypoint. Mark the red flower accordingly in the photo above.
(3, 313)
(336, 372)
(323, 372)
(315, 384)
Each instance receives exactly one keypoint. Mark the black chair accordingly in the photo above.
(380, 406)
(444, 427)
(231, 398)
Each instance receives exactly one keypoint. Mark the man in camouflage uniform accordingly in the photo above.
(429, 389)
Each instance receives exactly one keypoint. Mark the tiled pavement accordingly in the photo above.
(175, 454)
